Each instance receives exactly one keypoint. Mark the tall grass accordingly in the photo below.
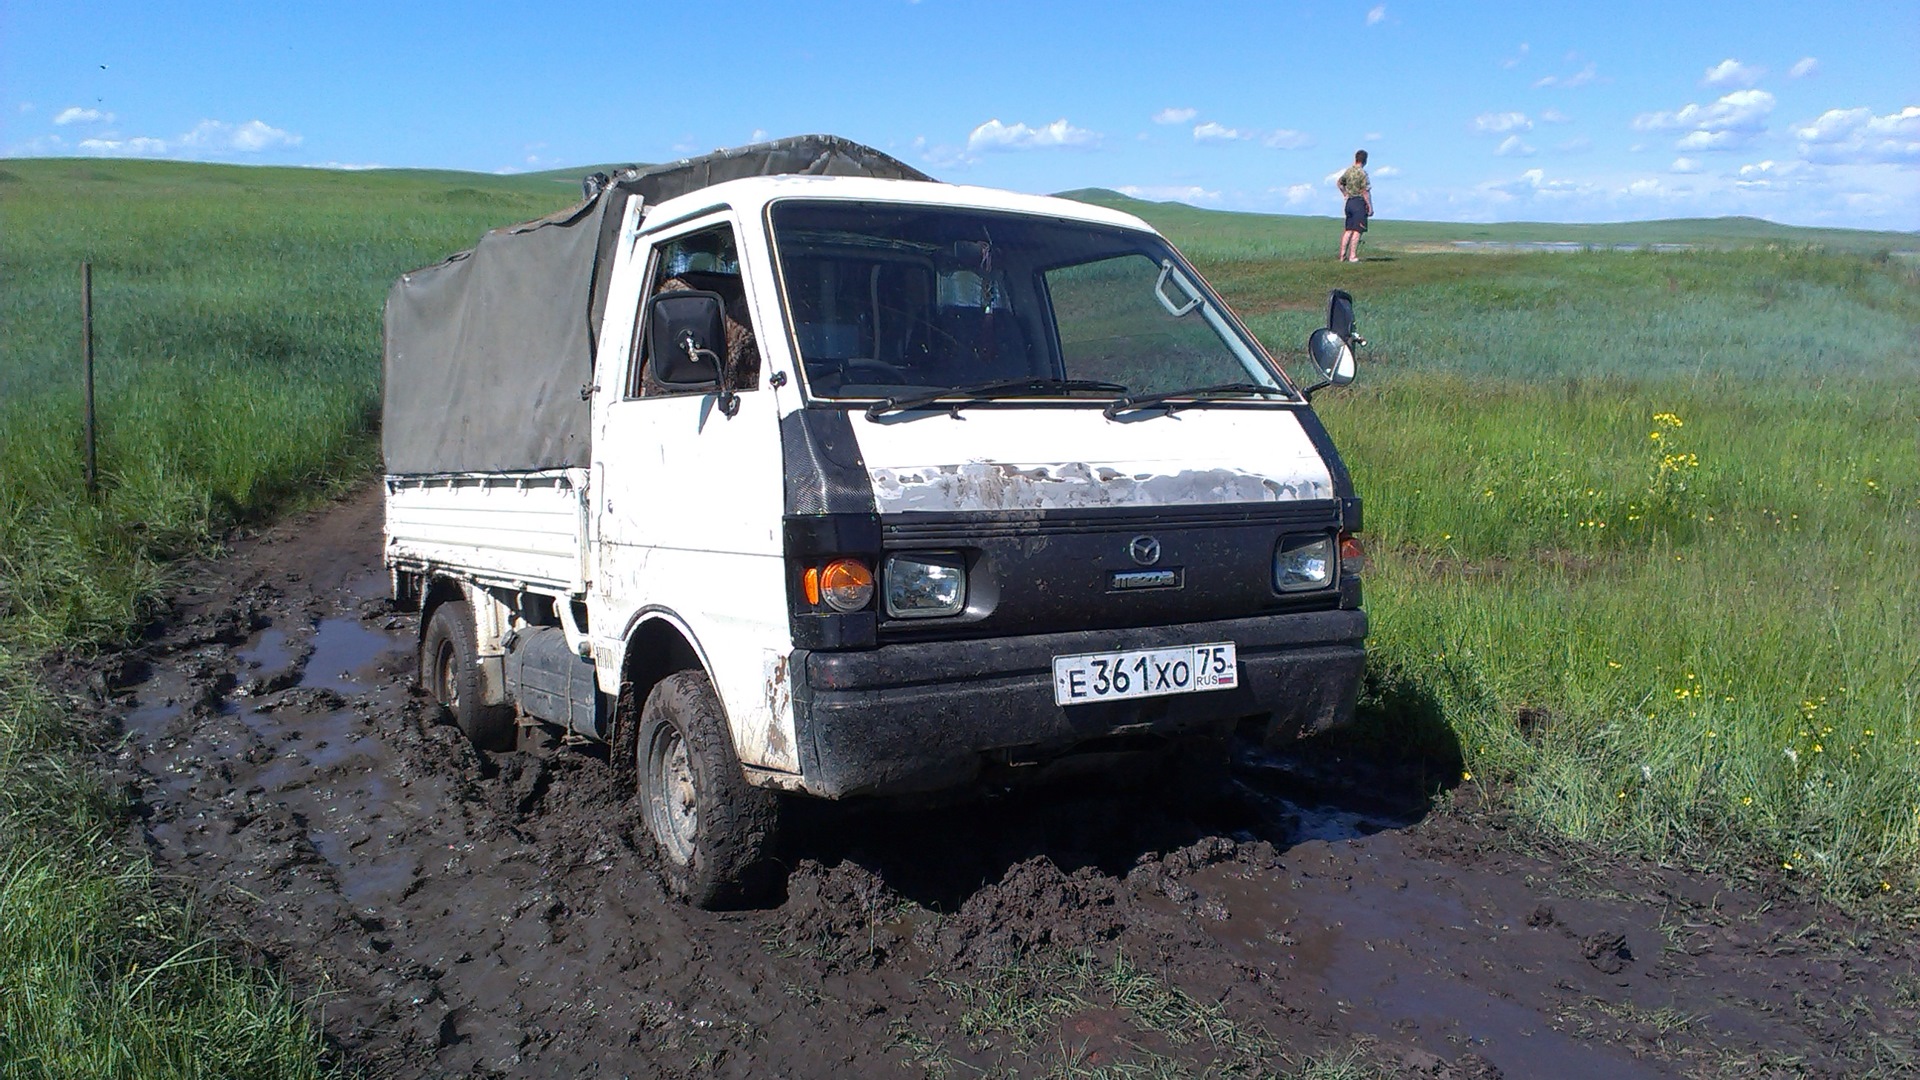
(1644, 528)
(237, 321)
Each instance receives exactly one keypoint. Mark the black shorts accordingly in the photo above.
(1356, 213)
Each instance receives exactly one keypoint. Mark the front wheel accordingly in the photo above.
(715, 830)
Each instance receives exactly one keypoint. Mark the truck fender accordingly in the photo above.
(656, 645)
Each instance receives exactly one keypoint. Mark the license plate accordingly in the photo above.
(1113, 676)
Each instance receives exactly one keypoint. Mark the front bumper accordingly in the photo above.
(929, 716)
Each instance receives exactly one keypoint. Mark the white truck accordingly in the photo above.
(787, 471)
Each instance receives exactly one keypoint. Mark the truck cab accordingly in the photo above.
(881, 486)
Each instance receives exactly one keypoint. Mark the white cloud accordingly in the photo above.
(1567, 82)
(1172, 115)
(1684, 165)
(1513, 146)
(136, 147)
(759, 135)
(1212, 132)
(209, 138)
(1555, 116)
(1806, 66)
(74, 114)
(1278, 139)
(1514, 60)
(1771, 175)
(1377, 15)
(348, 166)
(994, 135)
(1534, 183)
(1174, 193)
(1711, 140)
(1299, 193)
(1857, 137)
(248, 138)
(1731, 72)
(1725, 124)
(1501, 123)
(1386, 172)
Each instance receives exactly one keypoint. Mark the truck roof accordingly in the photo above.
(752, 194)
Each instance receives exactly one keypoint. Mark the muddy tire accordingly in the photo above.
(450, 672)
(715, 830)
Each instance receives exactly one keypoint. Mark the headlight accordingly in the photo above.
(923, 585)
(1303, 562)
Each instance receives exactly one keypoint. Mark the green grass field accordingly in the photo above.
(1642, 525)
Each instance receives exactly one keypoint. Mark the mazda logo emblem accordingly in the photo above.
(1145, 550)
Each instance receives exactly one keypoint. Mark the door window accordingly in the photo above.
(707, 260)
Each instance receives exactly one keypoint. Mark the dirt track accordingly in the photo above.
(461, 914)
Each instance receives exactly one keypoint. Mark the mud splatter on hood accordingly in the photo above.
(1064, 459)
(985, 485)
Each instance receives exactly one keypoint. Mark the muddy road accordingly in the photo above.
(451, 913)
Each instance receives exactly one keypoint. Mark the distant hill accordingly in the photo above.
(1211, 233)
(1227, 233)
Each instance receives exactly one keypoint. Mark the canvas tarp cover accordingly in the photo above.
(488, 354)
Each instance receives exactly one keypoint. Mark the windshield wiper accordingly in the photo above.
(986, 391)
(1165, 400)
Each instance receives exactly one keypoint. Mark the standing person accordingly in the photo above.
(1359, 193)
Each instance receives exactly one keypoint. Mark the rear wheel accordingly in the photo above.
(450, 671)
(714, 829)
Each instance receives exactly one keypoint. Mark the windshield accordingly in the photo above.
(887, 301)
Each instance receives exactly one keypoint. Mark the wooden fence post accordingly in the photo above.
(86, 349)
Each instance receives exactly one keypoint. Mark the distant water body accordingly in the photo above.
(1560, 245)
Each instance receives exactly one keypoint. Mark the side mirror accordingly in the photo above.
(686, 339)
(1340, 314)
(1333, 355)
(1332, 345)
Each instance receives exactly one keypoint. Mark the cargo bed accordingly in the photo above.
(518, 530)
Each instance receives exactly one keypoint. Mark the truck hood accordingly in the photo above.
(1048, 459)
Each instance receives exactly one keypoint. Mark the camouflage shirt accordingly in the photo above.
(1353, 181)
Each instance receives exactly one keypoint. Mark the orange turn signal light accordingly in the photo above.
(845, 584)
(1353, 554)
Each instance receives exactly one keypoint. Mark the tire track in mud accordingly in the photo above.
(455, 913)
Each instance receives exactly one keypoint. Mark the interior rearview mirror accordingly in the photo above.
(686, 338)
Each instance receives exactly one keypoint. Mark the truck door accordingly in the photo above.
(689, 499)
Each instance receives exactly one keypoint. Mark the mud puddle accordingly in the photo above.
(459, 914)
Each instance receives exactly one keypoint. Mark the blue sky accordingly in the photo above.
(1800, 113)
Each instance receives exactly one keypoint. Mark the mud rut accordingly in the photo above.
(452, 913)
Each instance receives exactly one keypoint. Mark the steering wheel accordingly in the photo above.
(870, 371)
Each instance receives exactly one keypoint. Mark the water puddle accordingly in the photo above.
(268, 652)
(364, 880)
(311, 744)
(342, 650)
(1289, 812)
(1565, 246)
(1517, 1038)
(1383, 963)
(149, 722)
